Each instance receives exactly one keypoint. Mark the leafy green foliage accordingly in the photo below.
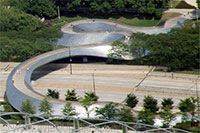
(71, 95)
(22, 45)
(167, 102)
(131, 100)
(73, 5)
(150, 103)
(69, 110)
(7, 107)
(146, 116)
(108, 112)
(126, 115)
(103, 7)
(167, 115)
(28, 107)
(91, 95)
(86, 102)
(187, 107)
(53, 93)
(194, 128)
(45, 107)
(120, 48)
(41, 8)
(176, 50)
(198, 3)
(14, 19)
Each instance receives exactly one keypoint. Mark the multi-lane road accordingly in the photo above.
(112, 82)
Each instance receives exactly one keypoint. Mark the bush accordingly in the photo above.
(146, 116)
(126, 115)
(71, 95)
(91, 95)
(167, 102)
(131, 100)
(150, 103)
(53, 93)
(108, 112)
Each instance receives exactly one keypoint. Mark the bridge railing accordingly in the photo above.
(29, 123)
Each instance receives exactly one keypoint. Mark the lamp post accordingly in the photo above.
(70, 60)
(197, 95)
(93, 81)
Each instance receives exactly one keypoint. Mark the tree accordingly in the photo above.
(100, 7)
(146, 116)
(71, 95)
(91, 95)
(168, 49)
(52, 93)
(119, 4)
(167, 102)
(164, 49)
(7, 107)
(73, 5)
(108, 112)
(188, 106)
(138, 49)
(86, 102)
(120, 48)
(131, 100)
(14, 19)
(126, 115)
(28, 107)
(45, 107)
(150, 103)
(69, 110)
(167, 115)
(198, 4)
(39, 8)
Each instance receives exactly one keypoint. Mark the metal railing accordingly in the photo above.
(30, 123)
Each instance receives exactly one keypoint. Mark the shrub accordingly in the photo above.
(69, 110)
(53, 93)
(71, 95)
(91, 95)
(150, 103)
(131, 100)
(167, 102)
(108, 112)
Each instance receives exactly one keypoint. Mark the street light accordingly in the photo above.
(197, 95)
(93, 81)
(70, 60)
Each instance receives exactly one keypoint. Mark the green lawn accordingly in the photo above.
(189, 72)
(135, 21)
(181, 4)
(129, 20)
(144, 22)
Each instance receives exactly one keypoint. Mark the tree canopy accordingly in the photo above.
(176, 50)
(45, 107)
(48, 8)
(69, 110)
(28, 107)
(108, 112)
(14, 19)
(41, 8)
(150, 103)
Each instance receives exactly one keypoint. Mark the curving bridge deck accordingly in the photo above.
(18, 87)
